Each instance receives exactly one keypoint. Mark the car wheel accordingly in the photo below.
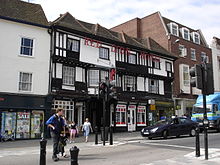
(150, 138)
(165, 134)
(192, 132)
(177, 136)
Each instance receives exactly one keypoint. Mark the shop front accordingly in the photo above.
(23, 117)
(130, 116)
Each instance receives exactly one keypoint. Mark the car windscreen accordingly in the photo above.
(162, 122)
(199, 109)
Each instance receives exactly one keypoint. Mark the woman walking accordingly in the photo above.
(86, 129)
(73, 131)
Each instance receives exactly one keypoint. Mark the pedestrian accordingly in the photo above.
(56, 124)
(63, 140)
(73, 131)
(86, 128)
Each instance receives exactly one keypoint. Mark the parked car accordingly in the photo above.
(170, 127)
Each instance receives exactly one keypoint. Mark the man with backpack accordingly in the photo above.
(56, 124)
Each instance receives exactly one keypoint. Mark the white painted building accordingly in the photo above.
(215, 46)
(24, 69)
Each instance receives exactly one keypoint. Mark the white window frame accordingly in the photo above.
(182, 51)
(73, 45)
(169, 66)
(132, 58)
(120, 114)
(187, 36)
(28, 82)
(153, 88)
(104, 53)
(203, 55)
(93, 77)
(141, 115)
(30, 47)
(173, 30)
(129, 83)
(67, 106)
(68, 75)
(186, 77)
(195, 40)
(193, 54)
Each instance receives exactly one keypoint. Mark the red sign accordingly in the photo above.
(2, 99)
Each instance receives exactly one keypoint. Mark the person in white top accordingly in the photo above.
(86, 128)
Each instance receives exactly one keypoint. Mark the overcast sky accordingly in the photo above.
(196, 14)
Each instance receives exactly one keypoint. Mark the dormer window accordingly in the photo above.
(185, 34)
(196, 37)
(174, 29)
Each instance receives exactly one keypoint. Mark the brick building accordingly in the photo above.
(186, 43)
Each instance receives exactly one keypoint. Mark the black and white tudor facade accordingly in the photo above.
(83, 54)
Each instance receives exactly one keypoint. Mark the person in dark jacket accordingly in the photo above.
(56, 124)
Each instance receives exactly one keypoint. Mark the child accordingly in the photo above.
(73, 131)
(62, 143)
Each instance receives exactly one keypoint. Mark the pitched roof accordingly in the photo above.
(23, 11)
(68, 21)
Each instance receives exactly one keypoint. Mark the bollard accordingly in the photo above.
(43, 144)
(74, 151)
(111, 136)
(96, 135)
(197, 143)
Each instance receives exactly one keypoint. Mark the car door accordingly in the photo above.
(174, 128)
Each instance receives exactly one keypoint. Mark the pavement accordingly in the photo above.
(20, 147)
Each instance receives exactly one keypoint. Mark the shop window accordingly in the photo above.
(120, 115)
(68, 107)
(23, 125)
(141, 115)
(37, 124)
(104, 74)
(8, 124)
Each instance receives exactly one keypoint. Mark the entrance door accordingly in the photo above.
(131, 118)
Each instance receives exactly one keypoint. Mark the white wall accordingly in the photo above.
(215, 61)
(162, 71)
(90, 55)
(11, 63)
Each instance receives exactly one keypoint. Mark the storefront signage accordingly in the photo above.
(119, 49)
(23, 115)
(152, 107)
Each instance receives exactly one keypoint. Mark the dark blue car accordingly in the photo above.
(170, 127)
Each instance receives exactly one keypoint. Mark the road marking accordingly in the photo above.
(168, 145)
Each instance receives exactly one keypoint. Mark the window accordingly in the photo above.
(186, 76)
(182, 51)
(25, 81)
(196, 37)
(204, 57)
(132, 58)
(73, 45)
(155, 63)
(93, 77)
(129, 83)
(141, 115)
(104, 53)
(26, 47)
(193, 54)
(185, 33)
(118, 80)
(120, 116)
(153, 86)
(68, 75)
(174, 29)
(104, 74)
(168, 67)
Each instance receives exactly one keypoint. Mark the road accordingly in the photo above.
(135, 152)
